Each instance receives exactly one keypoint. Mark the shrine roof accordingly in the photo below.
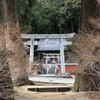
(54, 47)
(48, 48)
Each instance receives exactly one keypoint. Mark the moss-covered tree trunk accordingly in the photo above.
(15, 49)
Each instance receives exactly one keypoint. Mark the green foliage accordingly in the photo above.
(49, 16)
(26, 12)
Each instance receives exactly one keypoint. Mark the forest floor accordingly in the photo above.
(21, 93)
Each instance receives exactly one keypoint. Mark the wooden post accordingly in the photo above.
(46, 59)
(31, 54)
(58, 58)
(62, 57)
(39, 56)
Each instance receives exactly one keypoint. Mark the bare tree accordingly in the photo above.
(87, 47)
(6, 85)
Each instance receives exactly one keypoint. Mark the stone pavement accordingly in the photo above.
(52, 79)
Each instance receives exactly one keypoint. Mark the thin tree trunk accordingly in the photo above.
(72, 26)
(14, 44)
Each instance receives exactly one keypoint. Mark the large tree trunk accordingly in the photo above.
(14, 44)
(6, 85)
(88, 48)
(89, 8)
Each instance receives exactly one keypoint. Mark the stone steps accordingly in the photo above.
(49, 88)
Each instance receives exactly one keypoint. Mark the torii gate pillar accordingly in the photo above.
(31, 59)
(62, 58)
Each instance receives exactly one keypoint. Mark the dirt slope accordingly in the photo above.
(21, 93)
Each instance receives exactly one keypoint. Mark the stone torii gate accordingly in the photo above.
(62, 43)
